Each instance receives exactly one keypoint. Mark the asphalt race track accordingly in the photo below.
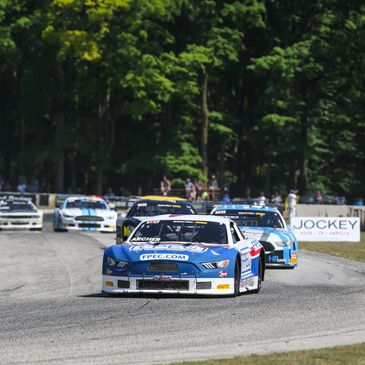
(52, 311)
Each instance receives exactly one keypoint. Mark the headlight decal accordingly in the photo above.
(216, 264)
(116, 263)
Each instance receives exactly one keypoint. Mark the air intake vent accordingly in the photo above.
(163, 267)
(204, 285)
(163, 285)
(124, 284)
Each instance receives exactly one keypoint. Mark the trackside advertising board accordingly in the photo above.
(326, 228)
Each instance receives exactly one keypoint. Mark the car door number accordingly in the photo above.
(245, 261)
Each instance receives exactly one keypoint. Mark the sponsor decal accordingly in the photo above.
(153, 222)
(167, 247)
(162, 277)
(109, 271)
(109, 283)
(247, 282)
(326, 228)
(294, 255)
(220, 212)
(223, 286)
(223, 274)
(164, 256)
(142, 205)
(273, 259)
(293, 258)
(146, 239)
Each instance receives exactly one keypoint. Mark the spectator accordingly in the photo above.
(190, 190)
(205, 195)
(340, 200)
(21, 188)
(359, 201)
(318, 198)
(276, 199)
(292, 203)
(199, 187)
(225, 198)
(261, 200)
(213, 188)
(165, 185)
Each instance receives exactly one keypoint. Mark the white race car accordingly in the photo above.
(19, 213)
(85, 214)
(267, 225)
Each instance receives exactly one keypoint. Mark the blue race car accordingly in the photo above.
(267, 225)
(188, 254)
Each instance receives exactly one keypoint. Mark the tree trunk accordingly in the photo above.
(59, 118)
(205, 123)
(106, 137)
(303, 179)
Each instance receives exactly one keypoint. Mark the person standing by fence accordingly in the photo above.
(165, 185)
(292, 203)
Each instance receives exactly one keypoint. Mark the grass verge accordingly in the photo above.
(340, 355)
(349, 250)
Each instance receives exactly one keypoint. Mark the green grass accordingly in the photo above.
(341, 355)
(349, 250)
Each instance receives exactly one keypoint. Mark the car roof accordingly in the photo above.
(161, 197)
(15, 199)
(192, 218)
(73, 198)
(163, 201)
(258, 208)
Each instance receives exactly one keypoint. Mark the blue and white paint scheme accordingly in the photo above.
(267, 225)
(84, 214)
(184, 254)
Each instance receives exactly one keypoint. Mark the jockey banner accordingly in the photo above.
(326, 228)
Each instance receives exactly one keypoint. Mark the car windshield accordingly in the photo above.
(252, 218)
(86, 204)
(180, 231)
(17, 206)
(151, 209)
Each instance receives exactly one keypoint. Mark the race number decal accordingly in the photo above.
(245, 261)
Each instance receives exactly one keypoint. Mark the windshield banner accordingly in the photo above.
(326, 228)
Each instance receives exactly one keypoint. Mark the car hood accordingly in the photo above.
(267, 234)
(171, 251)
(15, 214)
(88, 212)
(136, 219)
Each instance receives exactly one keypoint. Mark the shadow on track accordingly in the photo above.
(157, 296)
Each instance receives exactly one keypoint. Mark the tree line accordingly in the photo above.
(265, 94)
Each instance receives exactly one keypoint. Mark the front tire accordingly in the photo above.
(56, 226)
(237, 279)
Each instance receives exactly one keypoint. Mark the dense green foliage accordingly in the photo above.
(266, 94)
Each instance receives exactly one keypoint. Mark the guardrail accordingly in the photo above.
(203, 207)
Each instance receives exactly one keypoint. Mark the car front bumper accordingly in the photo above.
(281, 258)
(181, 285)
(14, 223)
(73, 225)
